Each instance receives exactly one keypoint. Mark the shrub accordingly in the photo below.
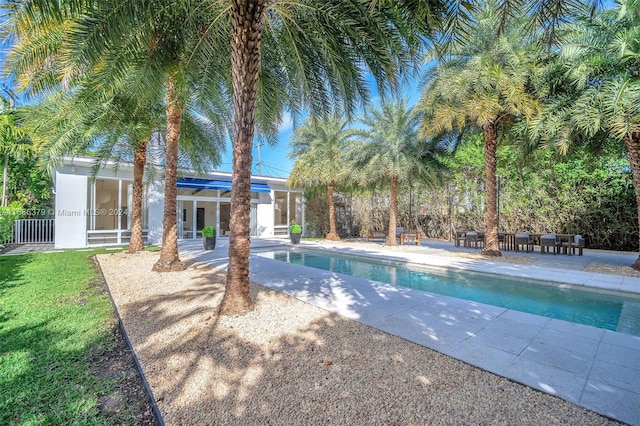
(8, 215)
(295, 228)
(208, 231)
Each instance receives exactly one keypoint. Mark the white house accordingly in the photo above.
(96, 212)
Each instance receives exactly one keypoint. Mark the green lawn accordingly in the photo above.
(54, 316)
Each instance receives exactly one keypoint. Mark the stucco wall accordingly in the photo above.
(155, 194)
(265, 215)
(71, 211)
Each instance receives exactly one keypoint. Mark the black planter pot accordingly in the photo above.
(209, 243)
(295, 238)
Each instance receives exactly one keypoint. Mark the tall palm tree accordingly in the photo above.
(117, 128)
(324, 47)
(291, 55)
(488, 84)
(600, 99)
(320, 149)
(391, 150)
(98, 44)
(70, 124)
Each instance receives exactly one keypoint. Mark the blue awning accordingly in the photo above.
(260, 187)
(223, 185)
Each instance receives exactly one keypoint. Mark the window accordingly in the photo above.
(288, 208)
(108, 203)
(281, 209)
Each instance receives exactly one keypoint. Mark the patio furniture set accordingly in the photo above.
(525, 241)
(404, 236)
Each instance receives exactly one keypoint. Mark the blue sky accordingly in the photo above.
(275, 161)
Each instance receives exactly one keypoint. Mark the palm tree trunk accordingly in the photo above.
(393, 213)
(332, 235)
(136, 243)
(491, 247)
(5, 179)
(246, 30)
(633, 146)
(169, 260)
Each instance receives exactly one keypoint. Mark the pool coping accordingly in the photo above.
(591, 367)
(553, 275)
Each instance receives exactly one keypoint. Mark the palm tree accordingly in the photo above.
(487, 84)
(309, 53)
(319, 148)
(600, 97)
(323, 46)
(77, 123)
(391, 150)
(458, 22)
(117, 128)
(80, 43)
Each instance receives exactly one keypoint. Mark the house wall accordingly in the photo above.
(155, 195)
(265, 215)
(72, 195)
(71, 211)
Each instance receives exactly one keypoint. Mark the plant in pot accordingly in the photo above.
(209, 237)
(295, 231)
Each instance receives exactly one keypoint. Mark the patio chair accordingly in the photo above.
(569, 247)
(472, 237)
(411, 237)
(523, 239)
(377, 236)
(548, 241)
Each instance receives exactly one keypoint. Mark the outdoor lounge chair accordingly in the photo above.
(523, 239)
(547, 241)
(569, 247)
(472, 237)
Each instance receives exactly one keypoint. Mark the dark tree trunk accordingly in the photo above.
(332, 235)
(169, 260)
(246, 33)
(633, 146)
(491, 247)
(136, 243)
(393, 213)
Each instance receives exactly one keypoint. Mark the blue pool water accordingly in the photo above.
(605, 310)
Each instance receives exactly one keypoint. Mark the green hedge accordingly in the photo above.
(8, 215)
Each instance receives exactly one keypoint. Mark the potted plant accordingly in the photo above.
(209, 237)
(295, 231)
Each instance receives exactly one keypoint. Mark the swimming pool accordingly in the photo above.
(617, 312)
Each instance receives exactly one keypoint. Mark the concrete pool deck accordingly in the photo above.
(591, 367)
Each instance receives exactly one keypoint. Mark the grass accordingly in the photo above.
(54, 314)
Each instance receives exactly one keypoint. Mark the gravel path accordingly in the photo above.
(290, 363)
